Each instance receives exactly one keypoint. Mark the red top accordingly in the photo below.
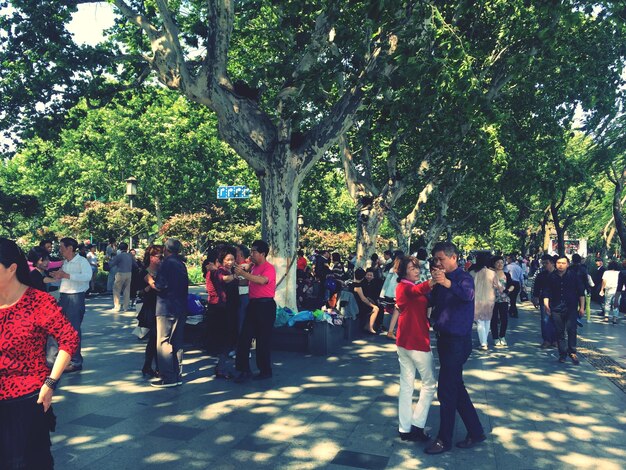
(258, 291)
(413, 327)
(210, 288)
(301, 264)
(24, 329)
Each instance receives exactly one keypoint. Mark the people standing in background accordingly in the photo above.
(500, 317)
(92, 257)
(123, 265)
(608, 290)
(485, 287)
(110, 252)
(517, 277)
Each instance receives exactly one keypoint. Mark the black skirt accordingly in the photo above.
(25, 434)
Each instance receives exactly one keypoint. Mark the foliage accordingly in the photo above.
(341, 242)
(101, 221)
(15, 209)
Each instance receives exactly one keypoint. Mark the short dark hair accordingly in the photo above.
(123, 246)
(44, 242)
(245, 251)
(359, 274)
(37, 253)
(404, 264)
(422, 254)
(261, 247)
(174, 246)
(387, 252)
(576, 258)
(225, 251)
(495, 259)
(448, 248)
(336, 257)
(300, 252)
(69, 242)
(547, 257)
(613, 266)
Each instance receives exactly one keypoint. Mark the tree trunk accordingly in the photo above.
(617, 215)
(369, 220)
(279, 197)
(560, 231)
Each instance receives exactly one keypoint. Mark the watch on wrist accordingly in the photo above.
(51, 383)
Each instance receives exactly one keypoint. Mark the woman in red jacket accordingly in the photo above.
(413, 343)
(27, 317)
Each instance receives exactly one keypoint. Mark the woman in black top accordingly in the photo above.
(147, 319)
(39, 278)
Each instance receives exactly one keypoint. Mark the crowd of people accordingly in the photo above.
(40, 338)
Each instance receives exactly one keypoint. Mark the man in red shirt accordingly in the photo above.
(260, 314)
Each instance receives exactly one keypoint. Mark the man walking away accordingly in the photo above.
(123, 265)
(517, 276)
(172, 285)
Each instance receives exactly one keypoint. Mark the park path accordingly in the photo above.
(338, 412)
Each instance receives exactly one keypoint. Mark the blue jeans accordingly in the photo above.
(548, 331)
(73, 307)
(453, 353)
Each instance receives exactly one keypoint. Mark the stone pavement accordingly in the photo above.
(336, 412)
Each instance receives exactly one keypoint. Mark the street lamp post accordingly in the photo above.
(131, 192)
(300, 227)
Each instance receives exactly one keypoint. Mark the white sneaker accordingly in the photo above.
(484, 347)
(503, 342)
(496, 342)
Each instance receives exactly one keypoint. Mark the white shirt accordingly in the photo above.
(80, 273)
(610, 276)
(515, 270)
(93, 259)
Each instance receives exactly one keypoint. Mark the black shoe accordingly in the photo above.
(574, 358)
(437, 447)
(470, 442)
(163, 384)
(262, 376)
(415, 435)
(243, 377)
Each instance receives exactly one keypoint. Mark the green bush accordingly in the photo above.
(195, 275)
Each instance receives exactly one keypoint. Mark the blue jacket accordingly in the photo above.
(453, 308)
(172, 285)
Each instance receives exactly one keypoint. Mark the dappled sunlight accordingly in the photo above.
(578, 460)
(162, 457)
(536, 440)
(282, 428)
(77, 440)
(181, 418)
(102, 390)
(319, 379)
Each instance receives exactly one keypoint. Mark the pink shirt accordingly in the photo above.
(258, 291)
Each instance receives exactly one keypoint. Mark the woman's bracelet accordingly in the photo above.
(51, 383)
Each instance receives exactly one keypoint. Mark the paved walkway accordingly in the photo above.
(336, 412)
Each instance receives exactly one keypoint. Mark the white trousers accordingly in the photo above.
(482, 326)
(410, 361)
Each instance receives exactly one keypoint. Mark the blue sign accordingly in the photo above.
(233, 192)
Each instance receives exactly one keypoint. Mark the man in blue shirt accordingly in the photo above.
(564, 301)
(453, 313)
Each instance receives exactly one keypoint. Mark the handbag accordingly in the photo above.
(141, 332)
(106, 266)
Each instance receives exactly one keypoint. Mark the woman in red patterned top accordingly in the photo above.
(27, 317)
(413, 343)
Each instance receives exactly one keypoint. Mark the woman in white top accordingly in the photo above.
(485, 286)
(608, 289)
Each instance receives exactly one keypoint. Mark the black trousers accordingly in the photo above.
(501, 316)
(565, 321)
(259, 324)
(25, 435)
(453, 397)
(513, 296)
